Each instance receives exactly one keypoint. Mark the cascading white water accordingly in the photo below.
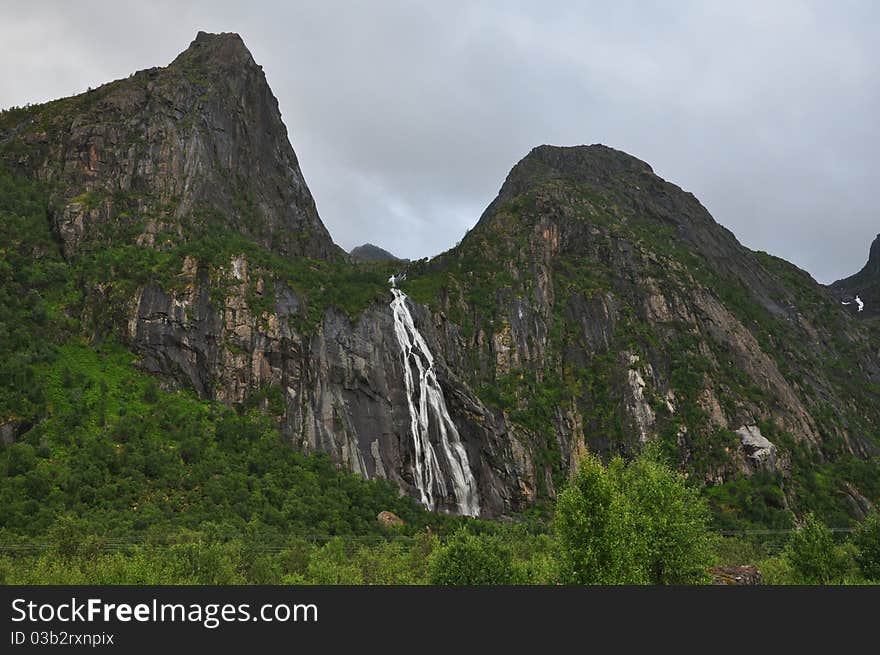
(427, 405)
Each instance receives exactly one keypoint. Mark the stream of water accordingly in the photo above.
(427, 406)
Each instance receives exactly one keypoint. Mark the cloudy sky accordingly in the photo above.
(406, 116)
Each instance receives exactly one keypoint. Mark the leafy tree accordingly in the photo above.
(635, 523)
(666, 523)
(867, 543)
(590, 530)
(333, 564)
(812, 554)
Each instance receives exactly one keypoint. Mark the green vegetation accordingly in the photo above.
(636, 523)
(34, 281)
(631, 523)
(320, 284)
(812, 554)
(495, 268)
(106, 477)
(205, 558)
(125, 458)
(97, 444)
(867, 543)
(472, 560)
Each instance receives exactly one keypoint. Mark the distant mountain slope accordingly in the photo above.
(865, 285)
(370, 253)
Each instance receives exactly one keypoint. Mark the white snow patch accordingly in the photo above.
(858, 302)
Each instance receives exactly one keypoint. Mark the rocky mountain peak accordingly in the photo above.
(873, 264)
(595, 164)
(225, 50)
(168, 152)
(586, 161)
(561, 199)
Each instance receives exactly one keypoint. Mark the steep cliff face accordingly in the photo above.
(602, 307)
(594, 306)
(177, 199)
(860, 293)
(337, 388)
(170, 152)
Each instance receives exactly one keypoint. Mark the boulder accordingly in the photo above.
(390, 520)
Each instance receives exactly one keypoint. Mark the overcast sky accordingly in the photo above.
(407, 116)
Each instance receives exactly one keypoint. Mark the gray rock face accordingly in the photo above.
(197, 150)
(9, 431)
(343, 386)
(196, 144)
(759, 451)
(594, 248)
(594, 306)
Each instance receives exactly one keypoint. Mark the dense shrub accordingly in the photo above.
(635, 523)
(471, 560)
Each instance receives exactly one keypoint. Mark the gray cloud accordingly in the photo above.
(406, 116)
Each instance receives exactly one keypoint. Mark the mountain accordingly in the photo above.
(864, 285)
(370, 253)
(597, 306)
(167, 152)
(162, 222)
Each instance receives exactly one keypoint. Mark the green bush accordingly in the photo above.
(666, 523)
(471, 560)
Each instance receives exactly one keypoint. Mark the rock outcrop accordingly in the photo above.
(390, 519)
(736, 575)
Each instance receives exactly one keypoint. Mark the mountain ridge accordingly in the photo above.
(594, 307)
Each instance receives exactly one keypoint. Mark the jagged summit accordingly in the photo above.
(588, 187)
(594, 308)
(226, 50)
(873, 266)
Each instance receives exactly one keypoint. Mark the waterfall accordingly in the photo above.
(428, 406)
